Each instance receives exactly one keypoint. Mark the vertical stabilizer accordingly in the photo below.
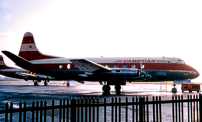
(29, 50)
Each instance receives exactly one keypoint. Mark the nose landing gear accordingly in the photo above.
(67, 83)
(174, 90)
(46, 82)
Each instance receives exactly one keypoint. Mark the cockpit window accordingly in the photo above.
(180, 62)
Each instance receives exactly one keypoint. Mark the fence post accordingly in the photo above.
(141, 108)
(33, 103)
(24, 116)
(20, 113)
(60, 112)
(45, 104)
(64, 110)
(53, 103)
(6, 113)
(98, 102)
(200, 107)
(73, 110)
(119, 109)
(41, 110)
(11, 114)
(37, 110)
(105, 111)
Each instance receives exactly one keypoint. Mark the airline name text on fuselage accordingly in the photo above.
(136, 61)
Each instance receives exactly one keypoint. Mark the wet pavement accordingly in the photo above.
(17, 91)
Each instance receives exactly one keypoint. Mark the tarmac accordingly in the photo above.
(16, 91)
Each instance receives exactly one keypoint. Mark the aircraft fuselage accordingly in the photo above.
(160, 69)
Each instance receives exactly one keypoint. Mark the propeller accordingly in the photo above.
(146, 75)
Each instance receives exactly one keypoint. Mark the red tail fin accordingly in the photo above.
(29, 50)
(2, 64)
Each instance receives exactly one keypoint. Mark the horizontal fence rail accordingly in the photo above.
(135, 109)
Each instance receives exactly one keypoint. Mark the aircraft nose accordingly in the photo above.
(194, 73)
(197, 74)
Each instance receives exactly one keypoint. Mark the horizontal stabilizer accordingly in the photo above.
(18, 60)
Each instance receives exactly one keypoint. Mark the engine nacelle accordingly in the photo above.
(128, 74)
(124, 72)
(182, 81)
(40, 76)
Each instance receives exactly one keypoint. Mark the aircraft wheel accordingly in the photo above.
(174, 90)
(106, 88)
(68, 83)
(118, 87)
(36, 83)
(45, 83)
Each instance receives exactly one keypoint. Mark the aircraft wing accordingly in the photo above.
(88, 66)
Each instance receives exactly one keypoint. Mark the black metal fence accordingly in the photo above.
(134, 109)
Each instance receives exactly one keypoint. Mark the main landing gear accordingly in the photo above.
(46, 82)
(106, 88)
(36, 82)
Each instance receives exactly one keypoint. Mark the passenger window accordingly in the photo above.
(124, 65)
(132, 65)
(60, 66)
(115, 65)
(68, 66)
(107, 65)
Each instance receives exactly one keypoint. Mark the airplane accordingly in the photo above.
(23, 74)
(113, 71)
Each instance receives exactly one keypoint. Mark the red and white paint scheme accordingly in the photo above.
(29, 50)
(3, 65)
(115, 71)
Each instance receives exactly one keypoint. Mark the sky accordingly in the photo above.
(109, 28)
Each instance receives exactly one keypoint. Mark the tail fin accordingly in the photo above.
(2, 64)
(29, 50)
